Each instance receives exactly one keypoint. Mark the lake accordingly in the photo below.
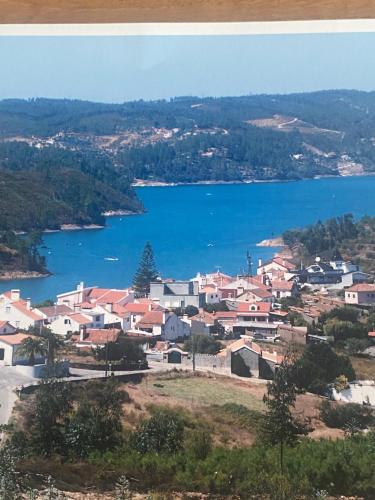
(193, 228)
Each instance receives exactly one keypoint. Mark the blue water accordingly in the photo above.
(194, 228)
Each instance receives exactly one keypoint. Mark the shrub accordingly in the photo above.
(202, 344)
(198, 443)
(161, 433)
(345, 415)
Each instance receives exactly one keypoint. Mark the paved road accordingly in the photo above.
(10, 379)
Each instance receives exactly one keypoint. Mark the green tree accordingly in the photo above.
(96, 423)
(319, 366)
(280, 427)
(32, 348)
(163, 432)
(146, 272)
(52, 342)
(203, 344)
(53, 402)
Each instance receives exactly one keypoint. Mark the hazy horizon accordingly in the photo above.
(128, 68)
(169, 99)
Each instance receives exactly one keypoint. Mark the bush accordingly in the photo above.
(198, 443)
(341, 416)
(203, 344)
(161, 433)
(319, 366)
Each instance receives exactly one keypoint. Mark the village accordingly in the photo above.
(250, 317)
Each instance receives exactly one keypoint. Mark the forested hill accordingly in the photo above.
(340, 237)
(189, 139)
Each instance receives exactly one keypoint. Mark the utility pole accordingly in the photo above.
(106, 357)
(249, 264)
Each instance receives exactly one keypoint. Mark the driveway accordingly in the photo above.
(10, 379)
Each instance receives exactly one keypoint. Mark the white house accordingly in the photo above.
(275, 266)
(9, 345)
(95, 295)
(361, 295)
(51, 313)
(166, 324)
(282, 289)
(71, 323)
(18, 312)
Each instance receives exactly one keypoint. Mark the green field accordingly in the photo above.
(209, 391)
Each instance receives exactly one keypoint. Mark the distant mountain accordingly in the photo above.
(189, 139)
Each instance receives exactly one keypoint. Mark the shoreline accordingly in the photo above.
(272, 242)
(145, 183)
(23, 275)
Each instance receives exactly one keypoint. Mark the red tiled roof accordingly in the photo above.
(285, 263)
(107, 295)
(56, 310)
(371, 334)
(204, 316)
(15, 338)
(80, 318)
(98, 336)
(21, 306)
(282, 285)
(152, 318)
(264, 307)
(134, 307)
(362, 287)
(225, 314)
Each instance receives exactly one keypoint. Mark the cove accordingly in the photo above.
(193, 228)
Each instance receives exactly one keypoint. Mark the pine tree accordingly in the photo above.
(280, 427)
(146, 272)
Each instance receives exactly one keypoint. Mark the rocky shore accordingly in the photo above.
(21, 275)
(272, 242)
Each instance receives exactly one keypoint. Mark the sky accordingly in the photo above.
(118, 69)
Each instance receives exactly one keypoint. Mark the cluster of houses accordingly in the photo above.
(90, 317)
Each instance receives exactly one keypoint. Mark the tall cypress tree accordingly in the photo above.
(146, 272)
(279, 426)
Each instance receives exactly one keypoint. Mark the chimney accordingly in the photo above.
(28, 304)
(15, 295)
(80, 286)
(110, 307)
(82, 333)
(260, 262)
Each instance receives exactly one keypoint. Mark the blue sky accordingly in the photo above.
(117, 69)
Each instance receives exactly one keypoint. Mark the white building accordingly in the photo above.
(361, 295)
(18, 312)
(9, 345)
(72, 323)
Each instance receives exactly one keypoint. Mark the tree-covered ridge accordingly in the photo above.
(191, 139)
(339, 236)
(45, 188)
(21, 254)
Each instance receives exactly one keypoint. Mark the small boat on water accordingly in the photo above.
(110, 258)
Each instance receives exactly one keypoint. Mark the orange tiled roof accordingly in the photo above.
(152, 318)
(21, 306)
(362, 287)
(15, 338)
(80, 318)
(99, 336)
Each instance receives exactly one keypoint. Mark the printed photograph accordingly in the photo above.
(187, 260)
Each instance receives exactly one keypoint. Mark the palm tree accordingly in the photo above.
(32, 347)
